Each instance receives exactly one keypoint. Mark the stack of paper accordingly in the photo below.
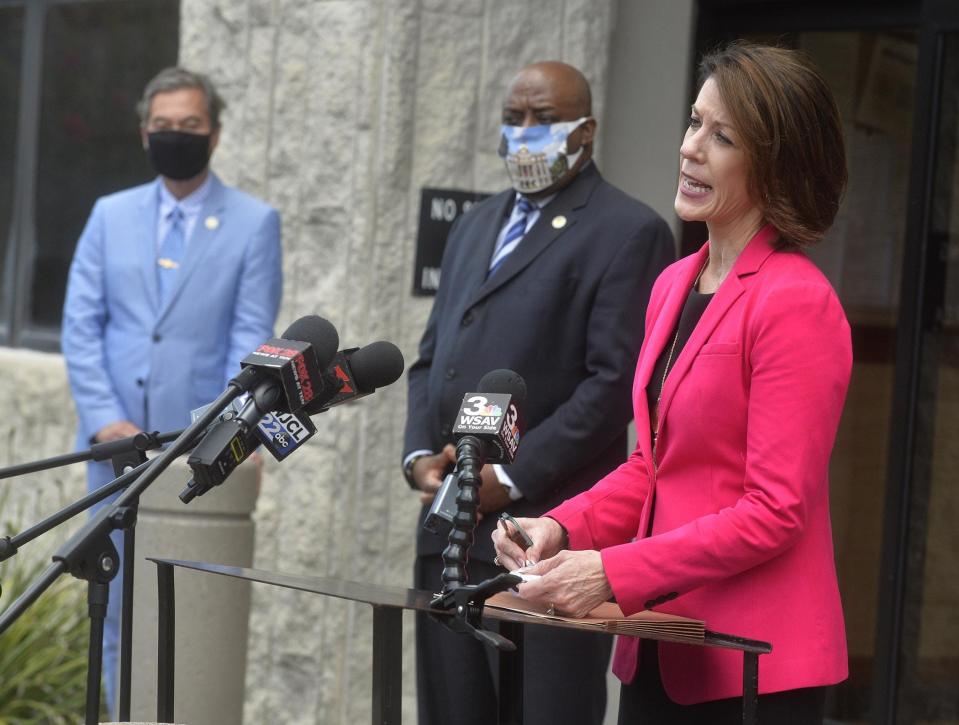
(609, 617)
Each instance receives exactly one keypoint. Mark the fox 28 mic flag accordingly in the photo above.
(295, 362)
(347, 376)
(282, 374)
(353, 373)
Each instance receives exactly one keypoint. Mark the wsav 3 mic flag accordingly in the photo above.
(493, 421)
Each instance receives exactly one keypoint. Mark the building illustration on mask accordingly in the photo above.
(536, 156)
(531, 171)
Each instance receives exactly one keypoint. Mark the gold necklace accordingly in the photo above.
(669, 359)
(672, 348)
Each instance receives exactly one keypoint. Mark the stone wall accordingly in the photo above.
(38, 422)
(339, 112)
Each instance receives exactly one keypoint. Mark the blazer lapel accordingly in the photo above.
(477, 272)
(202, 240)
(661, 334)
(748, 263)
(144, 241)
(554, 220)
(668, 317)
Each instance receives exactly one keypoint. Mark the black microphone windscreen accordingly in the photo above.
(503, 381)
(317, 331)
(377, 364)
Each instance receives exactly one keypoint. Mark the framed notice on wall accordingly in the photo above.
(439, 208)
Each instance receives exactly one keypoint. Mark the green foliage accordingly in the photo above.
(43, 655)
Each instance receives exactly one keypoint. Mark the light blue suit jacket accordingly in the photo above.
(128, 358)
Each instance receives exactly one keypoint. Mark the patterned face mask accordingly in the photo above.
(536, 156)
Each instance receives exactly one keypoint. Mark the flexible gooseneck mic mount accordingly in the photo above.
(467, 600)
(495, 416)
(469, 462)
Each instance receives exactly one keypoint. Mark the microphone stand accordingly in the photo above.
(127, 454)
(97, 452)
(466, 601)
(90, 554)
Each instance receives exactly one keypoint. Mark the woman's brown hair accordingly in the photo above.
(791, 132)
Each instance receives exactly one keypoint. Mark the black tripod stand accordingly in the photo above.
(90, 554)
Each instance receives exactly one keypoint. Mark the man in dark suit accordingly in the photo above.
(549, 279)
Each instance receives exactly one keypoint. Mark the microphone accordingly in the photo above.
(359, 372)
(354, 373)
(282, 374)
(488, 429)
(291, 366)
(491, 421)
(495, 439)
(215, 458)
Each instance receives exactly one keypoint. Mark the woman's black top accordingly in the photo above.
(692, 311)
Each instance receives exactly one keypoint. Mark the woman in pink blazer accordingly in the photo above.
(722, 511)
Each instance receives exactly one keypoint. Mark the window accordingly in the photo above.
(72, 71)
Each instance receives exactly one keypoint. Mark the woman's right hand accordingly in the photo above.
(549, 538)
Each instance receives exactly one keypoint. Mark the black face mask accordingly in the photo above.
(178, 155)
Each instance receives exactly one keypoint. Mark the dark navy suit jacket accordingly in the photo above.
(566, 311)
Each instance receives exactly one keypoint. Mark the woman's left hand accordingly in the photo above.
(573, 583)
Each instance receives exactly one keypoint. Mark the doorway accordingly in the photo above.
(893, 257)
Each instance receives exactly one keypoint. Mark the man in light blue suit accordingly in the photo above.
(171, 284)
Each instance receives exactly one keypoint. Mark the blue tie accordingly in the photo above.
(513, 236)
(171, 252)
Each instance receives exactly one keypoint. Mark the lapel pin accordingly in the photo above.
(211, 223)
(559, 221)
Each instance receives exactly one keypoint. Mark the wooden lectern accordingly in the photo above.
(388, 604)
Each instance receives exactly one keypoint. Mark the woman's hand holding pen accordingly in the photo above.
(546, 535)
(572, 583)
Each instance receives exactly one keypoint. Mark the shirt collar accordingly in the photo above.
(538, 203)
(189, 204)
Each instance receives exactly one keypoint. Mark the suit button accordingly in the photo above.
(156, 337)
(450, 374)
(140, 382)
(467, 319)
(445, 430)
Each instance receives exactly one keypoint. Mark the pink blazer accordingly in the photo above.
(741, 535)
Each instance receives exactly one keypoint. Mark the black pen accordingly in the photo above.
(524, 539)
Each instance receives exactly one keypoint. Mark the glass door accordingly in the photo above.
(920, 619)
(872, 72)
(893, 256)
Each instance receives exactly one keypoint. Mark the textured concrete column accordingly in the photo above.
(37, 422)
(212, 611)
(340, 111)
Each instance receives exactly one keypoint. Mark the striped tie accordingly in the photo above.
(513, 236)
(171, 251)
